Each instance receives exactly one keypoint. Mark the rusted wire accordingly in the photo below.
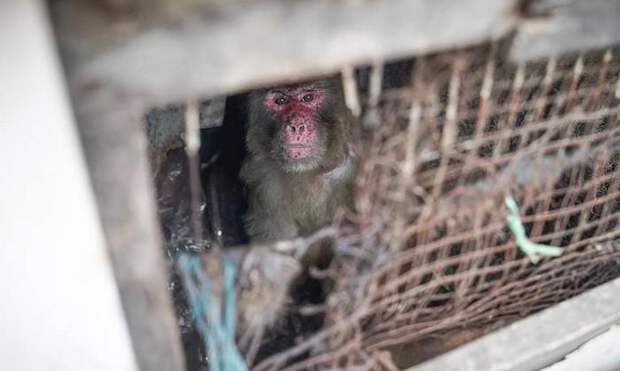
(547, 132)
(428, 250)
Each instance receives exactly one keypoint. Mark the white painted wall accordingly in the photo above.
(59, 306)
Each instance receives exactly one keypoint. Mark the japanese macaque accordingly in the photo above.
(301, 162)
(300, 169)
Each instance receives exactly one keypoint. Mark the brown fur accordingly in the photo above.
(286, 203)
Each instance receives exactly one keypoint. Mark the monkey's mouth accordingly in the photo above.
(298, 151)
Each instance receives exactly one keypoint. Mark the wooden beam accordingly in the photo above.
(600, 353)
(114, 141)
(538, 340)
(111, 125)
(554, 27)
(210, 47)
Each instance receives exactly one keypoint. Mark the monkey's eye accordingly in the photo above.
(308, 98)
(280, 100)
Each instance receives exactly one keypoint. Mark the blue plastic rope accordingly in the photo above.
(533, 250)
(215, 322)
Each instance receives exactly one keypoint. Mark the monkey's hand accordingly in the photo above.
(264, 280)
(265, 277)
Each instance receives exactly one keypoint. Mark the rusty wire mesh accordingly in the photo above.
(428, 250)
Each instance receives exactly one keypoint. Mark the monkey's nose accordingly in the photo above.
(292, 128)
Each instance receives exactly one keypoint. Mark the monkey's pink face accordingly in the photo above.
(296, 109)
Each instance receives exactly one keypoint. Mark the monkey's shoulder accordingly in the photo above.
(344, 172)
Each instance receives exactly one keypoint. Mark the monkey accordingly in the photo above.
(299, 170)
(302, 159)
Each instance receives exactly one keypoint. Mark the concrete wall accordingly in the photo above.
(59, 305)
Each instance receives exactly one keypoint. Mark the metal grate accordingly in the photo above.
(428, 250)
